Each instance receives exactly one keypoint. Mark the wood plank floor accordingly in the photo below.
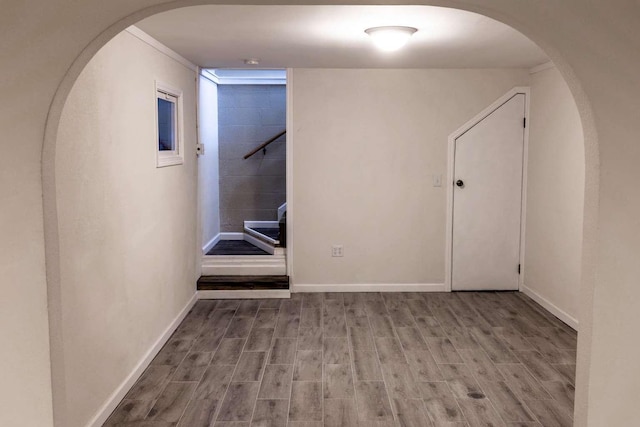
(360, 359)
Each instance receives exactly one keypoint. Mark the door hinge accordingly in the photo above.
(524, 122)
(518, 268)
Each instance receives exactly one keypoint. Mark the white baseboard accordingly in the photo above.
(281, 210)
(262, 224)
(259, 243)
(377, 287)
(210, 244)
(232, 236)
(112, 402)
(242, 294)
(551, 307)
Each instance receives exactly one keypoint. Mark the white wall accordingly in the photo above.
(366, 144)
(208, 177)
(555, 196)
(127, 229)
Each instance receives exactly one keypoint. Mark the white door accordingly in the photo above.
(487, 200)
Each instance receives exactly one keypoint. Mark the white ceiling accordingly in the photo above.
(333, 37)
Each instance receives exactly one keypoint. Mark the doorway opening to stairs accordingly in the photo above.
(242, 176)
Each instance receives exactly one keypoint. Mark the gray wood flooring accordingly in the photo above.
(360, 359)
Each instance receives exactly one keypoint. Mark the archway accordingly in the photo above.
(51, 222)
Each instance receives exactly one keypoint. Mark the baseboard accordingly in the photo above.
(281, 210)
(259, 243)
(117, 396)
(210, 244)
(364, 287)
(551, 307)
(231, 236)
(242, 294)
(262, 224)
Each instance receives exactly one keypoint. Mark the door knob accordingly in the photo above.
(460, 183)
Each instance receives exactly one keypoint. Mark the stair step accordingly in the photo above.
(265, 231)
(272, 233)
(236, 247)
(244, 265)
(229, 283)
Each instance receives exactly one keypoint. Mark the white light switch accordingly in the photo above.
(437, 180)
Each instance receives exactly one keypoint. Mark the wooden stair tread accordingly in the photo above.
(211, 283)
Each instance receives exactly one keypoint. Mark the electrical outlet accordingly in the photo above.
(337, 251)
(437, 180)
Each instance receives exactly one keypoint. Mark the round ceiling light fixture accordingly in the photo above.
(390, 38)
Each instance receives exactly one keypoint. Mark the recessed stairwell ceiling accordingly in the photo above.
(333, 37)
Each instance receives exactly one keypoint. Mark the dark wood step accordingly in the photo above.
(234, 283)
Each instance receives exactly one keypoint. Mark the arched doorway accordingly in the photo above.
(49, 173)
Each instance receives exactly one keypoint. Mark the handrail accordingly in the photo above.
(264, 145)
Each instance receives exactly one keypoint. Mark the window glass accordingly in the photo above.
(166, 125)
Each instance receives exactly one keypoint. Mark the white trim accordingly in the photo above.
(112, 402)
(262, 224)
(137, 32)
(551, 307)
(255, 79)
(541, 67)
(525, 180)
(289, 178)
(204, 72)
(231, 236)
(449, 183)
(260, 243)
(245, 294)
(365, 287)
(176, 156)
(281, 210)
(211, 243)
(199, 189)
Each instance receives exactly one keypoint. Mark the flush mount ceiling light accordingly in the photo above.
(252, 61)
(390, 38)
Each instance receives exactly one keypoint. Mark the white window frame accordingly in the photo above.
(176, 156)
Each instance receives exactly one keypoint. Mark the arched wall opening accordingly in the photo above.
(52, 230)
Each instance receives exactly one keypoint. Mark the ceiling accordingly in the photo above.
(333, 37)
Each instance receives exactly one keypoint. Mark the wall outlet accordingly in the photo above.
(337, 250)
(437, 180)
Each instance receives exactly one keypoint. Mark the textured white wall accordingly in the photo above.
(555, 193)
(208, 184)
(127, 229)
(367, 143)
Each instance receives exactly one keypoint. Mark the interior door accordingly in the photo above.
(487, 200)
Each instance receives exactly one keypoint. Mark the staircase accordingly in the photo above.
(262, 274)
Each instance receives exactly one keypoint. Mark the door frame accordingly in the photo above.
(450, 177)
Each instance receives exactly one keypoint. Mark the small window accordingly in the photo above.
(169, 126)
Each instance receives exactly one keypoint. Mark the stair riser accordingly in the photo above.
(253, 294)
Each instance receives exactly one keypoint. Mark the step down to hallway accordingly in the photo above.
(243, 283)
